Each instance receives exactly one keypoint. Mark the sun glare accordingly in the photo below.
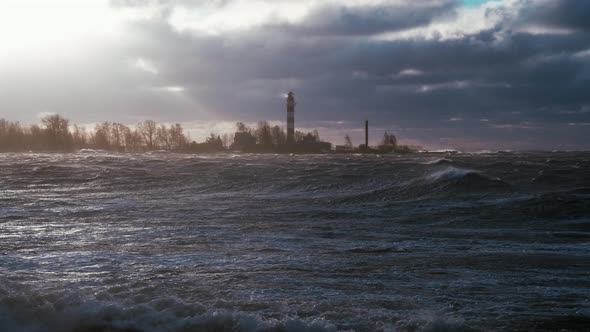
(45, 28)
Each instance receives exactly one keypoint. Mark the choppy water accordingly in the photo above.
(164, 242)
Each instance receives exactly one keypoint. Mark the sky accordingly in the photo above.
(470, 75)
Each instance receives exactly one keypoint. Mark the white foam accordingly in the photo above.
(450, 173)
(37, 313)
(438, 161)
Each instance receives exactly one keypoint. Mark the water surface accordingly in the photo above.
(165, 242)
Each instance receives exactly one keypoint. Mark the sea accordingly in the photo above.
(102, 242)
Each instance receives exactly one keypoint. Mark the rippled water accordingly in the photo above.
(166, 242)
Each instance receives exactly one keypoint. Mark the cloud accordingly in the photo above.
(414, 67)
(335, 19)
(146, 65)
(320, 18)
(561, 14)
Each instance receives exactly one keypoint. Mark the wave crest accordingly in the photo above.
(32, 313)
(459, 178)
(450, 173)
(439, 161)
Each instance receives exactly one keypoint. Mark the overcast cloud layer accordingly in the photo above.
(512, 74)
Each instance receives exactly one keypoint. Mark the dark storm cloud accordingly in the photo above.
(498, 84)
(502, 85)
(338, 20)
(569, 14)
(330, 18)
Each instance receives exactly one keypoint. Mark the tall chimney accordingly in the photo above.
(290, 118)
(366, 134)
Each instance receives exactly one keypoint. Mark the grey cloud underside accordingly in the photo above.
(570, 14)
(526, 85)
(532, 89)
(335, 20)
(329, 19)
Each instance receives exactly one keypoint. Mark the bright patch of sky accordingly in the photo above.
(472, 18)
(474, 3)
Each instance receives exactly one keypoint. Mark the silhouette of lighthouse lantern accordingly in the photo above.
(290, 118)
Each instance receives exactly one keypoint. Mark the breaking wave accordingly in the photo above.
(21, 313)
(452, 173)
(66, 313)
(440, 161)
(459, 178)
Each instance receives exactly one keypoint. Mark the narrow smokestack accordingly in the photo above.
(366, 134)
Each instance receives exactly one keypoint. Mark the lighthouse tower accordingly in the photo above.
(290, 118)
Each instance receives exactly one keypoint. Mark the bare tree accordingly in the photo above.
(163, 137)
(37, 137)
(116, 136)
(278, 135)
(133, 139)
(299, 136)
(263, 133)
(56, 128)
(12, 136)
(148, 129)
(177, 138)
(101, 137)
(389, 140)
(79, 137)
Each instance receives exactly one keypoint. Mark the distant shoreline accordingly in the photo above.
(56, 134)
(445, 152)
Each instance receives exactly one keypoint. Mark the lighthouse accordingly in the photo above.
(290, 118)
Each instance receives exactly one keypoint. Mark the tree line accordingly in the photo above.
(265, 134)
(55, 133)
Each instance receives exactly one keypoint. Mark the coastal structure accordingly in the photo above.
(290, 118)
(367, 134)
